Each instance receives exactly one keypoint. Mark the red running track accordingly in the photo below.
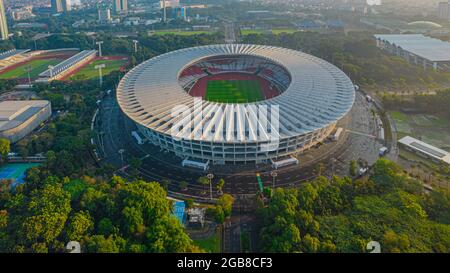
(199, 89)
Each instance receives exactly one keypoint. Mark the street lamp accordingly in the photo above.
(135, 45)
(210, 176)
(28, 69)
(121, 151)
(99, 48)
(274, 175)
(100, 74)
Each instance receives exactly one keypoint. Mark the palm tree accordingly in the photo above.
(220, 185)
(203, 180)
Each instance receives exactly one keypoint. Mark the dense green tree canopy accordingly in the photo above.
(341, 215)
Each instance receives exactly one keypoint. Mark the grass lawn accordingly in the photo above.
(284, 30)
(182, 32)
(431, 129)
(89, 72)
(234, 91)
(211, 244)
(273, 31)
(37, 67)
(252, 31)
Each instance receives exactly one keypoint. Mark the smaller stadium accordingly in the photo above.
(27, 66)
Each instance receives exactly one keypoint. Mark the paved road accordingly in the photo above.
(115, 135)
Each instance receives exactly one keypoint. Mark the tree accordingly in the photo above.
(320, 169)
(219, 214)
(203, 180)
(226, 202)
(106, 227)
(395, 243)
(165, 183)
(80, 225)
(182, 186)
(46, 214)
(353, 168)
(220, 185)
(5, 149)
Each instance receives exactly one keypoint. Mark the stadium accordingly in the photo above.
(221, 90)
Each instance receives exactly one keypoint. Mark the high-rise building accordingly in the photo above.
(3, 22)
(59, 6)
(444, 10)
(104, 15)
(169, 3)
(180, 13)
(120, 6)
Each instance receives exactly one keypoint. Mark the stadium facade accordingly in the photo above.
(302, 99)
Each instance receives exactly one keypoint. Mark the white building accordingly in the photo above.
(417, 49)
(444, 10)
(104, 15)
(169, 3)
(19, 118)
(425, 150)
(4, 33)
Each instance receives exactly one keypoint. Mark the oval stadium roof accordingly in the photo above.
(319, 93)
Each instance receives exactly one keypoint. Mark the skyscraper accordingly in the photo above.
(444, 10)
(3, 23)
(120, 6)
(59, 6)
(104, 15)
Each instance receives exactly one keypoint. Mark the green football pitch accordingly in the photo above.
(89, 72)
(234, 91)
(37, 66)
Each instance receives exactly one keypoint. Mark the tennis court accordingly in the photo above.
(16, 172)
(178, 211)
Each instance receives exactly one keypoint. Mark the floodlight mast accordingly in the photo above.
(135, 45)
(99, 48)
(100, 74)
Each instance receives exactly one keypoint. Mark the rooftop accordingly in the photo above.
(428, 48)
(14, 113)
(319, 94)
(426, 148)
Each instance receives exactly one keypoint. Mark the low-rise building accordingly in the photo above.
(417, 49)
(425, 150)
(19, 118)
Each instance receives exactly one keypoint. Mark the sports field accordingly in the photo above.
(37, 66)
(274, 31)
(234, 91)
(89, 72)
(434, 130)
(15, 171)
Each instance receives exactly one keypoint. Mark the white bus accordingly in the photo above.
(284, 163)
(137, 137)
